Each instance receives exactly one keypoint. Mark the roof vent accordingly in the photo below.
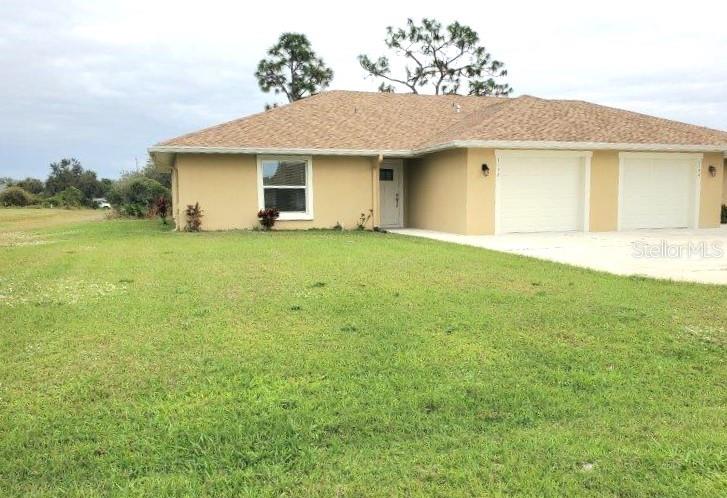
(457, 107)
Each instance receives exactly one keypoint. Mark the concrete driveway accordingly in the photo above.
(678, 254)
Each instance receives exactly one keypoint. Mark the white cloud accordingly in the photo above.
(103, 80)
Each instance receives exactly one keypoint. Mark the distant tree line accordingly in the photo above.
(70, 185)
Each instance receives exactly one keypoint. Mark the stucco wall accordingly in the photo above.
(710, 200)
(444, 191)
(224, 185)
(226, 188)
(436, 190)
(342, 190)
(604, 191)
(480, 192)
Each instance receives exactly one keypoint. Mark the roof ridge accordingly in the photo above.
(475, 114)
(412, 95)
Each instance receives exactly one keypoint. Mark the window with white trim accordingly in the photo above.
(284, 183)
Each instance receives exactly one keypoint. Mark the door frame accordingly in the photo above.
(584, 155)
(697, 180)
(397, 165)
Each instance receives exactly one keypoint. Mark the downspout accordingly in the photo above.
(175, 193)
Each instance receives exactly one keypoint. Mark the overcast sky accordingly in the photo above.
(103, 80)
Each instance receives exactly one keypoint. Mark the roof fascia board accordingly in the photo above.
(260, 150)
(552, 145)
(457, 144)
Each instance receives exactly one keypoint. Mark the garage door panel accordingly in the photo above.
(657, 192)
(538, 194)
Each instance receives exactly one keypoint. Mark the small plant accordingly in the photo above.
(724, 214)
(267, 217)
(364, 219)
(161, 208)
(338, 227)
(194, 217)
(112, 214)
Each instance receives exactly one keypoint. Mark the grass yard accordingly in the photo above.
(137, 361)
(24, 219)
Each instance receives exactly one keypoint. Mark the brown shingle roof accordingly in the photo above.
(342, 120)
(529, 118)
(405, 122)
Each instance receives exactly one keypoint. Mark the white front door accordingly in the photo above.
(658, 190)
(391, 193)
(544, 191)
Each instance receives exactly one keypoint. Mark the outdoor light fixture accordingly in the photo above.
(485, 170)
(712, 170)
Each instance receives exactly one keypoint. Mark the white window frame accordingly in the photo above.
(288, 215)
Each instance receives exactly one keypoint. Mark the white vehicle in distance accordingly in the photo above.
(102, 203)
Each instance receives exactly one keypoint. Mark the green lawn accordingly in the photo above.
(138, 361)
(12, 219)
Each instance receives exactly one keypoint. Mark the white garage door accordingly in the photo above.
(657, 190)
(540, 192)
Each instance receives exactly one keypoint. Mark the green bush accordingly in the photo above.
(135, 195)
(15, 196)
(71, 197)
(724, 214)
(32, 185)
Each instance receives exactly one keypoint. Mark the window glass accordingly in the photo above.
(284, 173)
(386, 175)
(285, 199)
(285, 184)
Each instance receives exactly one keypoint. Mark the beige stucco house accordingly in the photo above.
(467, 165)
